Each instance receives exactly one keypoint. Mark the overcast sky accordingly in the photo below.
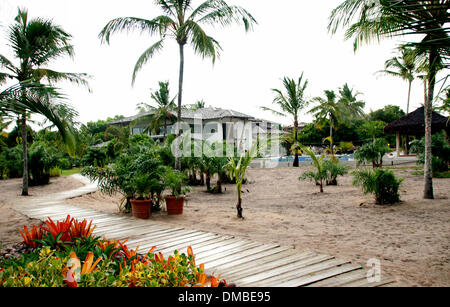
(291, 38)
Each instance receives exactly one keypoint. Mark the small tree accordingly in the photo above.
(382, 183)
(319, 174)
(238, 168)
(372, 153)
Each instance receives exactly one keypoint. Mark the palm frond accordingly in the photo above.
(147, 55)
(134, 24)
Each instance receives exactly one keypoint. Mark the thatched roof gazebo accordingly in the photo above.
(413, 124)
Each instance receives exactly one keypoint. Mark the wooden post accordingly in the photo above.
(398, 144)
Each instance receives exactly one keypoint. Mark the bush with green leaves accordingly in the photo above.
(137, 173)
(372, 153)
(440, 149)
(380, 182)
(333, 169)
(94, 157)
(11, 162)
(40, 163)
(175, 181)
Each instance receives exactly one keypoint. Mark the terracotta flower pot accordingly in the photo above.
(174, 205)
(141, 209)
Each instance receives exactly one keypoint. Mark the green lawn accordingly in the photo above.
(69, 172)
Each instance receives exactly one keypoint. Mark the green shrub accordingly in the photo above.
(333, 169)
(55, 172)
(40, 163)
(94, 157)
(64, 164)
(440, 149)
(382, 183)
(11, 162)
(372, 153)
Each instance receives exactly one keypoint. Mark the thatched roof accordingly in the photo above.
(414, 124)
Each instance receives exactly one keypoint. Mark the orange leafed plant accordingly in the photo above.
(59, 228)
(36, 233)
(81, 229)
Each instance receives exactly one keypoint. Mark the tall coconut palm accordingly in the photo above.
(328, 110)
(163, 111)
(404, 66)
(184, 23)
(368, 20)
(350, 105)
(291, 102)
(35, 43)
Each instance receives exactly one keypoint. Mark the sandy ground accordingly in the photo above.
(10, 194)
(411, 239)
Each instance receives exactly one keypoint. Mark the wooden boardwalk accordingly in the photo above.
(242, 262)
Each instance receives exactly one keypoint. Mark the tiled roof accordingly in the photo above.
(205, 113)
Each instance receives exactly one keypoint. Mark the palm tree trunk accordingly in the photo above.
(407, 112)
(208, 180)
(165, 127)
(331, 136)
(239, 205)
(25, 155)
(180, 97)
(428, 172)
(296, 162)
(409, 97)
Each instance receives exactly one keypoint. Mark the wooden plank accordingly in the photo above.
(47, 208)
(241, 255)
(366, 283)
(137, 230)
(117, 226)
(265, 265)
(218, 256)
(185, 240)
(301, 271)
(117, 223)
(278, 268)
(327, 273)
(260, 260)
(206, 246)
(155, 234)
(195, 243)
(340, 280)
(219, 249)
(162, 241)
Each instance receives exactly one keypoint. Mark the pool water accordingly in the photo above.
(308, 158)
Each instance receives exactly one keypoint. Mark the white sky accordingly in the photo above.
(291, 38)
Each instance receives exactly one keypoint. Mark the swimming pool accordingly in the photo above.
(308, 158)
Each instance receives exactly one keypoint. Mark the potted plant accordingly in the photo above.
(174, 181)
(142, 202)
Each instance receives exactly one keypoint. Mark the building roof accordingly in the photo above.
(205, 114)
(414, 123)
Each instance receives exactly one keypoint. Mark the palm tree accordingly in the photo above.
(404, 66)
(183, 23)
(327, 111)
(35, 43)
(291, 103)
(368, 20)
(163, 110)
(351, 106)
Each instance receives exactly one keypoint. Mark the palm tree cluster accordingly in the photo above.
(366, 21)
(35, 43)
